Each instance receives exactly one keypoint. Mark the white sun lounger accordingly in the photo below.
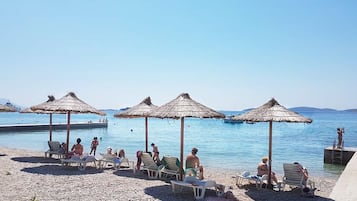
(150, 166)
(55, 149)
(105, 159)
(246, 176)
(171, 166)
(81, 162)
(198, 186)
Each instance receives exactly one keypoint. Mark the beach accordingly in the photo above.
(27, 175)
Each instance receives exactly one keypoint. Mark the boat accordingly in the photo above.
(230, 120)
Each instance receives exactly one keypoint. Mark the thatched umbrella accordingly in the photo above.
(141, 110)
(50, 99)
(5, 108)
(67, 104)
(181, 107)
(269, 112)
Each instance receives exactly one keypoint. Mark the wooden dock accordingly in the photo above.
(338, 156)
(55, 126)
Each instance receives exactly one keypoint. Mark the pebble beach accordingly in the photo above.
(26, 175)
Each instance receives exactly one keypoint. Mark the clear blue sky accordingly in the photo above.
(228, 55)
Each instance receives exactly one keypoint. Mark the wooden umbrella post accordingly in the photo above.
(68, 128)
(270, 150)
(146, 134)
(181, 147)
(50, 126)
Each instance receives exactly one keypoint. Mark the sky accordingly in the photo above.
(228, 55)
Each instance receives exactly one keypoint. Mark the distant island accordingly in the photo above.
(8, 103)
(312, 109)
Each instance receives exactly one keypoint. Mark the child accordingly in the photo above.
(94, 145)
(156, 157)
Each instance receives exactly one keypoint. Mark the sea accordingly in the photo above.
(236, 147)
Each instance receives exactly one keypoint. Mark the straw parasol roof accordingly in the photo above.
(50, 99)
(70, 103)
(181, 107)
(184, 106)
(141, 110)
(5, 108)
(29, 110)
(270, 112)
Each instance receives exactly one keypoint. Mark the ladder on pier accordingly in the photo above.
(337, 155)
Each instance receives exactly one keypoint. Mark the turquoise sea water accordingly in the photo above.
(221, 145)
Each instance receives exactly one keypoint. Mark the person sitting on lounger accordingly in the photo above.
(264, 169)
(118, 157)
(77, 149)
(109, 150)
(304, 171)
(192, 161)
(121, 153)
(63, 148)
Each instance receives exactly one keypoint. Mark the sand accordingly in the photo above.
(27, 175)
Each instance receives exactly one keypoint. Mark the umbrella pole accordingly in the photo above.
(181, 147)
(270, 150)
(50, 126)
(68, 128)
(146, 134)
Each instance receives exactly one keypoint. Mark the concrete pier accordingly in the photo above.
(55, 126)
(345, 188)
(338, 156)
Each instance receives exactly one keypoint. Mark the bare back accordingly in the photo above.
(77, 149)
(191, 160)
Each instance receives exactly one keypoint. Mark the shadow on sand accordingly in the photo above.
(35, 159)
(3, 155)
(128, 172)
(271, 195)
(140, 174)
(164, 192)
(61, 170)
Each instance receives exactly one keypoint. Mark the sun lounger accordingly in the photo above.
(55, 149)
(106, 159)
(293, 176)
(150, 166)
(80, 161)
(198, 186)
(171, 166)
(246, 176)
